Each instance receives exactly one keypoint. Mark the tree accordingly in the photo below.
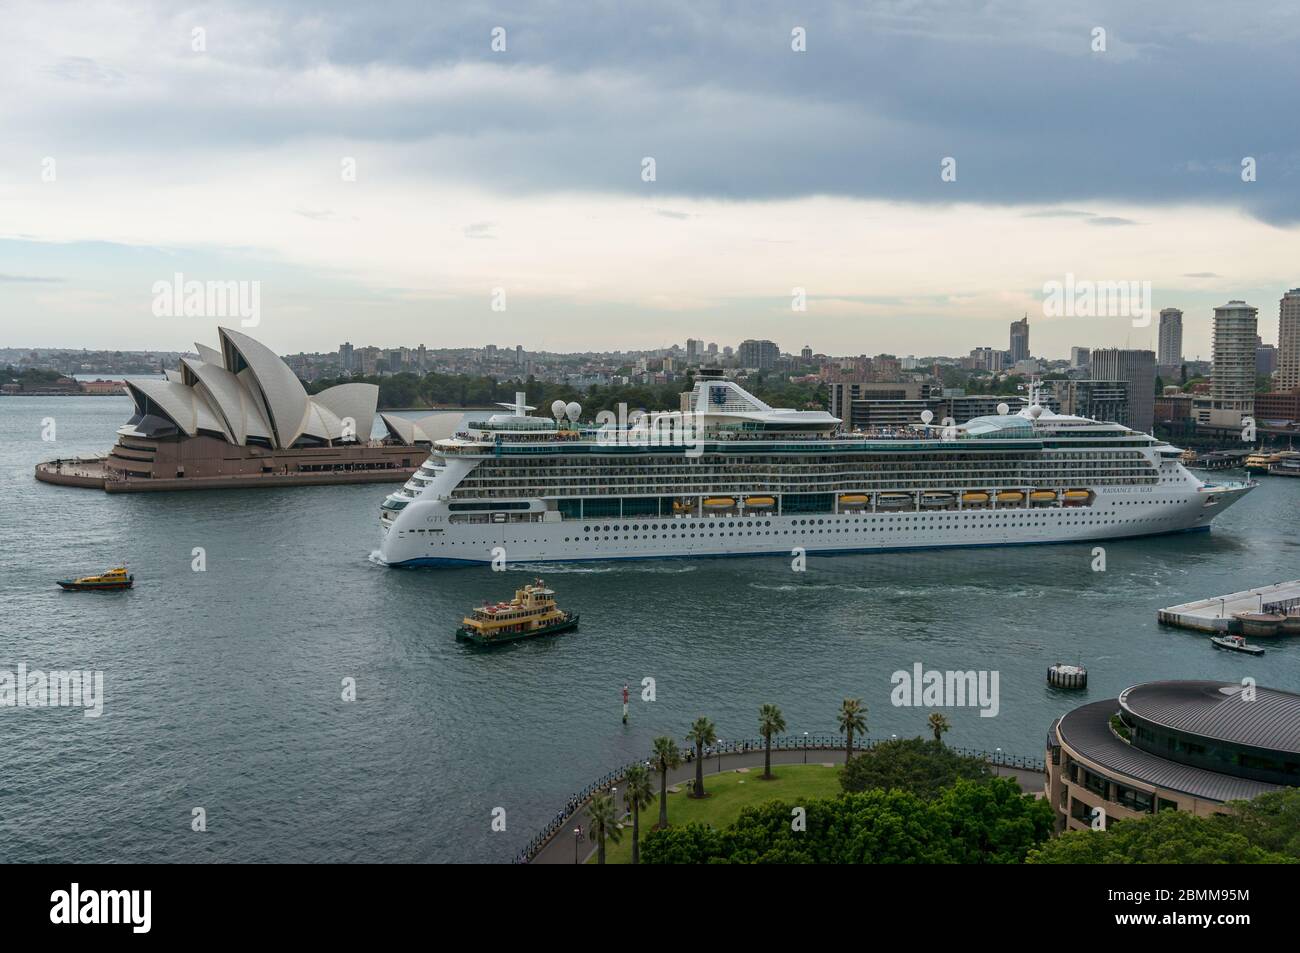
(1170, 837)
(702, 734)
(989, 822)
(665, 757)
(604, 822)
(853, 719)
(770, 722)
(916, 765)
(637, 793)
(938, 724)
(1265, 830)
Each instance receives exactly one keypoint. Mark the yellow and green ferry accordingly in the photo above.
(530, 614)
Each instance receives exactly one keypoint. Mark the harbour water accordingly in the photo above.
(223, 688)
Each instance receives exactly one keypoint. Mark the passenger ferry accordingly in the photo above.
(729, 475)
(531, 613)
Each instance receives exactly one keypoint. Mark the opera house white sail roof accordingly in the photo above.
(244, 394)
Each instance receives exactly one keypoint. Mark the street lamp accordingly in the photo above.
(719, 744)
(805, 747)
(577, 840)
(996, 772)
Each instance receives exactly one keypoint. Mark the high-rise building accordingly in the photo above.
(1288, 341)
(1020, 340)
(1079, 356)
(987, 359)
(1138, 369)
(1232, 376)
(1170, 348)
(1265, 360)
(345, 356)
(694, 351)
(762, 355)
(1096, 399)
(806, 353)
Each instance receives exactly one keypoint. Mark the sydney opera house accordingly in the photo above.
(237, 415)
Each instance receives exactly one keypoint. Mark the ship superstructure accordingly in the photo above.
(727, 474)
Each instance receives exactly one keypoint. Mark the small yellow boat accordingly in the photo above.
(719, 503)
(1077, 496)
(1010, 496)
(854, 499)
(116, 578)
(1042, 496)
(759, 502)
(974, 496)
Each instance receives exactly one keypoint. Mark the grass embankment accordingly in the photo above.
(729, 792)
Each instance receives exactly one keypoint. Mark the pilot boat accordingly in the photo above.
(1235, 643)
(112, 579)
(531, 613)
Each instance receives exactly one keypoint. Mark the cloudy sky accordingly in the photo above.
(128, 155)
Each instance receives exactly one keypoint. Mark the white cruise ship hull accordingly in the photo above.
(423, 535)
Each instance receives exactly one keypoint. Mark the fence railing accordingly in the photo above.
(744, 746)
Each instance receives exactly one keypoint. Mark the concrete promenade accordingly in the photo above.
(1215, 614)
(560, 849)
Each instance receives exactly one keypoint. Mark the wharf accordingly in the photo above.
(1216, 614)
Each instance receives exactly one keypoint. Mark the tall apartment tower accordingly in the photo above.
(1171, 338)
(1138, 370)
(1288, 341)
(1020, 340)
(1232, 375)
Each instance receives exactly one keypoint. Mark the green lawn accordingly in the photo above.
(728, 793)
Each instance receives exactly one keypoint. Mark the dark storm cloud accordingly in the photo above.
(1012, 91)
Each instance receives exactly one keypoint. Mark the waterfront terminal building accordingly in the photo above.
(237, 415)
(1164, 746)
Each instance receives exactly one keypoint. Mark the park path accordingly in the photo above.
(561, 849)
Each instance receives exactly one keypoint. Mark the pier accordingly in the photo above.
(1216, 614)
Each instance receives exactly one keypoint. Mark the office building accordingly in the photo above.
(1171, 746)
(1138, 370)
(1170, 347)
(1232, 374)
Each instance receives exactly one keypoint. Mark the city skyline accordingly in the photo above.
(402, 186)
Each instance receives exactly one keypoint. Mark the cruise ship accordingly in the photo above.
(729, 475)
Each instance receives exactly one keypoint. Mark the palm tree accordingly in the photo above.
(637, 793)
(665, 758)
(938, 724)
(702, 733)
(770, 722)
(604, 822)
(853, 718)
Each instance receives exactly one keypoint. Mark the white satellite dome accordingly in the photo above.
(557, 408)
(1035, 411)
(573, 410)
(1003, 409)
(927, 416)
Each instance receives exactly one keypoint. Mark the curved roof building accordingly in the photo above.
(237, 415)
(244, 394)
(1176, 745)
